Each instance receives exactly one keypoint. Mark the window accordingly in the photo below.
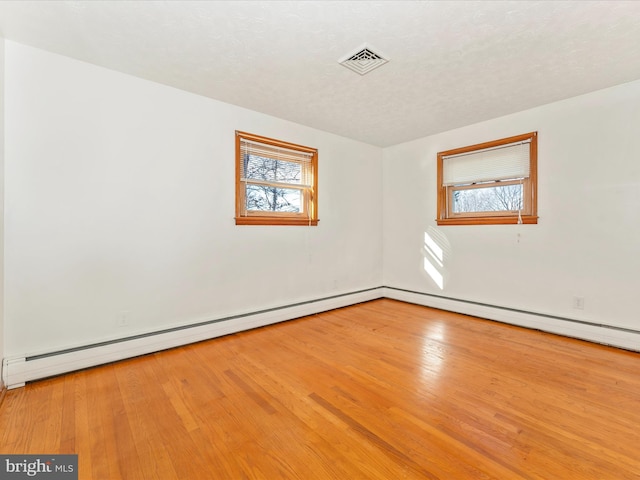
(490, 183)
(276, 182)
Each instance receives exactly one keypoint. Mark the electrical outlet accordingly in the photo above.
(123, 319)
(578, 303)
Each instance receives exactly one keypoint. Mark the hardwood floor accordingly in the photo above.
(381, 390)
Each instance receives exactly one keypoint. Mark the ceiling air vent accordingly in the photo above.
(363, 60)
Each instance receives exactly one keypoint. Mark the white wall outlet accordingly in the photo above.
(123, 319)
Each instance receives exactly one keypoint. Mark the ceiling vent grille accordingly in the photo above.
(363, 60)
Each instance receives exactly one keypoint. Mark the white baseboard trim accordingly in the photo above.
(608, 335)
(19, 370)
(3, 392)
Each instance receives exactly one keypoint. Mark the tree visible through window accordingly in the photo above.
(276, 182)
(488, 199)
(489, 183)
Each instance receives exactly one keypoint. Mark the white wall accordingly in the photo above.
(1, 204)
(587, 242)
(120, 203)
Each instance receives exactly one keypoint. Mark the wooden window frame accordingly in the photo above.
(528, 214)
(309, 217)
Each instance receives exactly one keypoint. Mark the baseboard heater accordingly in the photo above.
(620, 337)
(19, 370)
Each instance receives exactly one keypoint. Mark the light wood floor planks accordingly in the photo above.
(381, 390)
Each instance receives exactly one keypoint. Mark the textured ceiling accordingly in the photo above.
(452, 63)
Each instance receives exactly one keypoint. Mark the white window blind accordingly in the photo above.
(505, 162)
(277, 166)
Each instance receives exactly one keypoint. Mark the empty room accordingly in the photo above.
(320, 240)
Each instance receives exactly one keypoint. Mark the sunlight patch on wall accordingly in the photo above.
(434, 248)
(433, 272)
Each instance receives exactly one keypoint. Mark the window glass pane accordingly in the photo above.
(489, 199)
(271, 170)
(266, 198)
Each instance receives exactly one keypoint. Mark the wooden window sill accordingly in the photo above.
(494, 220)
(263, 220)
